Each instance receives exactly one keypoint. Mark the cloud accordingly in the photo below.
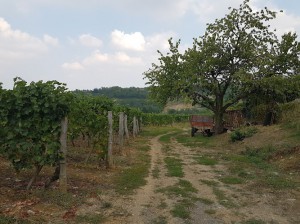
(16, 44)
(134, 41)
(73, 66)
(126, 59)
(90, 41)
(95, 57)
(50, 40)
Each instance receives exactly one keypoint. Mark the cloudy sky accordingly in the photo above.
(101, 43)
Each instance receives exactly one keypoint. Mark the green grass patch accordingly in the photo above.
(174, 167)
(182, 189)
(155, 172)
(90, 218)
(11, 220)
(205, 160)
(231, 180)
(134, 177)
(196, 141)
(223, 199)
(181, 210)
(167, 138)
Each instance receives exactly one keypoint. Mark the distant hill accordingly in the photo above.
(132, 97)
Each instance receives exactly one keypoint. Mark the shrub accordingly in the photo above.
(241, 133)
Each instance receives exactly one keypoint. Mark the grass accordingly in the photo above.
(184, 190)
(155, 172)
(254, 221)
(11, 220)
(181, 209)
(210, 182)
(196, 141)
(231, 180)
(64, 200)
(174, 167)
(253, 164)
(133, 177)
(166, 139)
(159, 220)
(205, 160)
(90, 218)
(205, 201)
(223, 199)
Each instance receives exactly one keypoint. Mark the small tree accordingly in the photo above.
(233, 56)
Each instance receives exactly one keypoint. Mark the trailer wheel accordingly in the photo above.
(193, 132)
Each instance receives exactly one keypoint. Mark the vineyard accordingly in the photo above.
(33, 117)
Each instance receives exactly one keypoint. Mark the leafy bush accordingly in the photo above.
(241, 133)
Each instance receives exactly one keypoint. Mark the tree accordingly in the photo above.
(233, 56)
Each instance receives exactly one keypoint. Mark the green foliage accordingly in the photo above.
(130, 97)
(163, 119)
(30, 121)
(88, 119)
(242, 133)
(237, 58)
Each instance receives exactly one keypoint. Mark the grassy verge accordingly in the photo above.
(134, 176)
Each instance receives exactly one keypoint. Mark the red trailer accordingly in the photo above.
(232, 119)
(203, 123)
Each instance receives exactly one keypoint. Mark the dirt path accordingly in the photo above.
(149, 205)
(215, 201)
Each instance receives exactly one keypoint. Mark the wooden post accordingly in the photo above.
(121, 129)
(110, 140)
(134, 131)
(126, 127)
(63, 160)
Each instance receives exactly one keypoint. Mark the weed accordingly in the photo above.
(182, 189)
(174, 167)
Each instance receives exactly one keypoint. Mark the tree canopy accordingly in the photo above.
(238, 56)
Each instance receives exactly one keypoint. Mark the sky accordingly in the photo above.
(91, 44)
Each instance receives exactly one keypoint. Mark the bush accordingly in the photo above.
(241, 133)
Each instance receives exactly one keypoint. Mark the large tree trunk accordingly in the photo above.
(219, 126)
(219, 112)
